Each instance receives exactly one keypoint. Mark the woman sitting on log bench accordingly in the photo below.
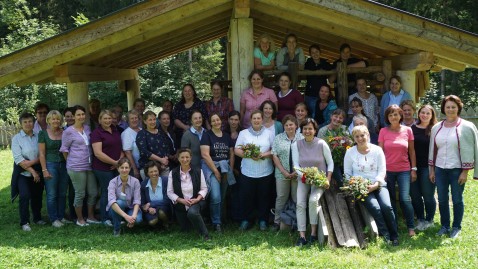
(368, 161)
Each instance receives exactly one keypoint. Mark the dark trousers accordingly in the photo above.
(192, 216)
(30, 193)
(255, 194)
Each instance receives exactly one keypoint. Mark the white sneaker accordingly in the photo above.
(421, 225)
(57, 224)
(65, 221)
(428, 224)
(108, 223)
(26, 227)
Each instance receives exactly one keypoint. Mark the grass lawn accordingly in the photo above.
(95, 247)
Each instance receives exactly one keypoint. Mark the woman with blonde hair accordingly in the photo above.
(264, 53)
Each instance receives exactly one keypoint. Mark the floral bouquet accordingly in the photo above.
(339, 144)
(356, 187)
(312, 176)
(251, 150)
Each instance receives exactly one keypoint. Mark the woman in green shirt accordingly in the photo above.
(53, 167)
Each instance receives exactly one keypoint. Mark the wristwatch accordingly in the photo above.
(414, 168)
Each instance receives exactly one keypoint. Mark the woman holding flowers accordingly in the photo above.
(367, 160)
(286, 177)
(397, 143)
(314, 153)
(254, 147)
(338, 139)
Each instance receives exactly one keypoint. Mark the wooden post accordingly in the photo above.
(409, 79)
(241, 39)
(132, 91)
(387, 72)
(342, 89)
(77, 94)
(293, 69)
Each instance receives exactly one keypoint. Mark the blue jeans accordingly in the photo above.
(311, 102)
(337, 174)
(422, 192)
(117, 218)
(217, 198)
(56, 187)
(444, 179)
(403, 180)
(103, 178)
(379, 206)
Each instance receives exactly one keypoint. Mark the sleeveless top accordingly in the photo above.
(311, 154)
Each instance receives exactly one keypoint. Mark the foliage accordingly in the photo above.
(95, 247)
(313, 176)
(80, 19)
(356, 187)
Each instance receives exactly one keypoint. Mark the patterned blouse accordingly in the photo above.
(282, 148)
(149, 143)
(180, 112)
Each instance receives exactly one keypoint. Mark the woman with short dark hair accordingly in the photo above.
(155, 203)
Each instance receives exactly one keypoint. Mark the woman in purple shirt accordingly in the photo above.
(107, 150)
(75, 145)
(124, 198)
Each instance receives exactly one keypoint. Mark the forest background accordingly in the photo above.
(25, 22)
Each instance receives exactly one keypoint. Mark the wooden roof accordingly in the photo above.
(152, 30)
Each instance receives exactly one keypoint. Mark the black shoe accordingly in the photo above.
(207, 238)
(275, 227)
(218, 228)
(301, 242)
(313, 239)
(116, 233)
(395, 243)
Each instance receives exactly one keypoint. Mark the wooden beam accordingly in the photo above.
(421, 61)
(45, 76)
(79, 73)
(450, 65)
(242, 8)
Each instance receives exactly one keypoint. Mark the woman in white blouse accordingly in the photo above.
(368, 161)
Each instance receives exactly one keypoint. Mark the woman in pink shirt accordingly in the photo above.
(397, 143)
(252, 98)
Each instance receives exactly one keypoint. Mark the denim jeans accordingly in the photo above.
(379, 206)
(403, 180)
(117, 218)
(422, 192)
(56, 187)
(30, 192)
(444, 179)
(217, 198)
(104, 178)
(311, 102)
(192, 217)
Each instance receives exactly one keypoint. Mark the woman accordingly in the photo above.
(315, 63)
(397, 143)
(152, 145)
(287, 98)
(368, 161)
(30, 184)
(369, 102)
(107, 150)
(128, 140)
(256, 172)
(333, 129)
(169, 136)
(192, 138)
(422, 191)
(217, 152)
(286, 183)
(182, 111)
(155, 203)
(409, 109)
(54, 168)
(301, 113)
(187, 189)
(253, 97)
(234, 206)
(68, 117)
(41, 110)
(325, 106)
(264, 53)
(124, 197)
(219, 104)
(269, 111)
(76, 149)
(453, 147)
(290, 53)
(310, 152)
(357, 108)
(394, 96)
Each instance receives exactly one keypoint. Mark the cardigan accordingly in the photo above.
(467, 136)
(384, 104)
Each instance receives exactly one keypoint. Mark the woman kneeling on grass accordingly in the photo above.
(187, 189)
(124, 198)
(155, 202)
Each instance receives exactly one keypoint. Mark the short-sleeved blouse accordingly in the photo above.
(110, 145)
(52, 147)
(265, 60)
(180, 112)
(252, 102)
(149, 143)
(282, 149)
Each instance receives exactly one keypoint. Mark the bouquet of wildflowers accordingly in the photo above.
(339, 143)
(312, 176)
(357, 187)
(251, 150)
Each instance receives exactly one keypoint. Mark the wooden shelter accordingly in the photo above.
(113, 47)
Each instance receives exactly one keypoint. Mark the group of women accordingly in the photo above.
(195, 151)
